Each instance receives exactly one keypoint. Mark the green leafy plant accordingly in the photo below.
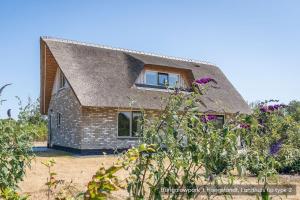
(184, 142)
(293, 110)
(10, 194)
(52, 182)
(30, 116)
(15, 154)
(69, 191)
(182, 148)
(57, 188)
(271, 141)
(103, 183)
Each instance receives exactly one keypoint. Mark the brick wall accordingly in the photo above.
(85, 127)
(69, 133)
(100, 129)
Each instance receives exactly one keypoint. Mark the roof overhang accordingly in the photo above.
(48, 68)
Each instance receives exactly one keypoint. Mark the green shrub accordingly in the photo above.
(15, 154)
(30, 116)
(180, 141)
(10, 194)
(271, 138)
(184, 142)
(177, 141)
(293, 110)
(290, 168)
(289, 156)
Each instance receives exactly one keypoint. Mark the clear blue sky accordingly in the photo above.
(256, 43)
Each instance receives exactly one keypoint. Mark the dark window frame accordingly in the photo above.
(62, 80)
(58, 119)
(158, 80)
(131, 134)
(157, 77)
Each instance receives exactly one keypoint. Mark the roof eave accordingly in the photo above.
(42, 77)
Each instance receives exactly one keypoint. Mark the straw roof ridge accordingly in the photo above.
(126, 50)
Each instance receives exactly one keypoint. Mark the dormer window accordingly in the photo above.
(161, 79)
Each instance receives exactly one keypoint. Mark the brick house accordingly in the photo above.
(93, 94)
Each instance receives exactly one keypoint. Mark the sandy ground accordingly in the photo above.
(77, 169)
(80, 169)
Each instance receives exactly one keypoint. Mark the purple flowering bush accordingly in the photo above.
(208, 118)
(202, 84)
(181, 147)
(205, 80)
(186, 142)
(271, 138)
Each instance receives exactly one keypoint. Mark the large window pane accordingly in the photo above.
(124, 124)
(136, 124)
(151, 78)
(173, 80)
(163, 79)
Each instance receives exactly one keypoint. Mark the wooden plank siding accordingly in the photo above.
(49, 67)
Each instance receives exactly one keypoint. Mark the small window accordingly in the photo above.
(59, 119)
(163, 79)
(151, 78)
(62, 80)
(129, 124)
(219, 121)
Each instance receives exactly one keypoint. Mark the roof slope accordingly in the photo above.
(104, 77)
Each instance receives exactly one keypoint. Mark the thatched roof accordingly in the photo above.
(104, 77)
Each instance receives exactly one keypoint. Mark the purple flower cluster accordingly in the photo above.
(274, 149)
(208, 118)
(271, 108)
(204, 80)
(244, 126)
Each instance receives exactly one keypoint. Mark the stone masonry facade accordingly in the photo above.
(69, 133)
(100, 130)
(85, 128)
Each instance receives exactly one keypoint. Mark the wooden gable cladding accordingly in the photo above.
(186, 74)
(49, 67)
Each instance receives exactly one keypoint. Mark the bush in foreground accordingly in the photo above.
(15, 155)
